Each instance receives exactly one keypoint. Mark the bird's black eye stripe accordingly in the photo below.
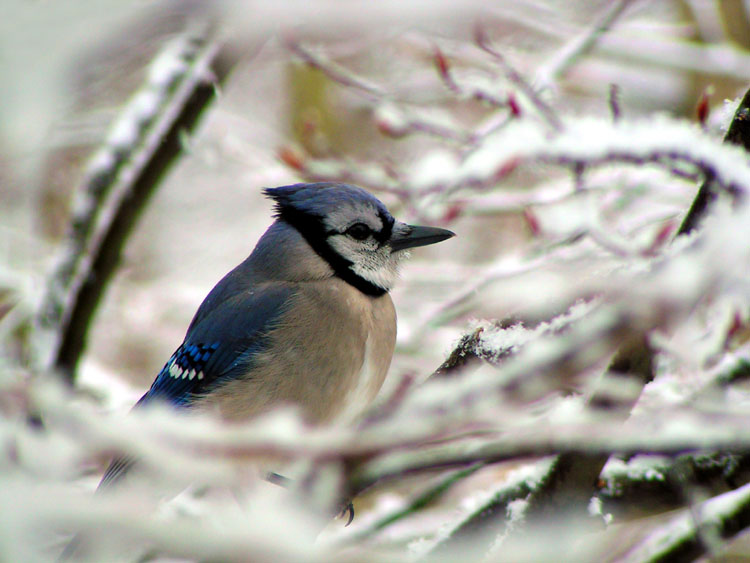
(359, 231)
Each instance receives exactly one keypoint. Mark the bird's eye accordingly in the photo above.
(358, 231)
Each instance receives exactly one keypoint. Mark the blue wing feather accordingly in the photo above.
(220, 346)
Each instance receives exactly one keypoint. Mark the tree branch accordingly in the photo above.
(737, 134)
(570, 53)
(692, 535)
(518, 80)
(144, 143)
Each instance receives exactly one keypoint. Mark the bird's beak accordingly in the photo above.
(410, 236)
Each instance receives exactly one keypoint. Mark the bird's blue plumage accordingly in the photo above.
(222, 343)
(182, 374)
(322, 198)
(225, 337)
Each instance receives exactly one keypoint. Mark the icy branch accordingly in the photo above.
(143, 143)
(696, 533)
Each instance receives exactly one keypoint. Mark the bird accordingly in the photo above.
(305, 320)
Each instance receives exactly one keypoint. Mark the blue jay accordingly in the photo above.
(305, 320)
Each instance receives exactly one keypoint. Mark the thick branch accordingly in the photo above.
(696, 533)
(145, 143)
(646, 485)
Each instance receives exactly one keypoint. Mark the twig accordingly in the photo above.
(642, 486)
(145, 142)
(571, 481)
(428, 496)
(682, 539)
(335, 72)
(392, 120)
(516, 78)
(566, 487)
(633, 361)
(474, 92)
(738, 134)
(591, 438)
(669, 159)
(569, 54)
(473, 530)
(614, 102)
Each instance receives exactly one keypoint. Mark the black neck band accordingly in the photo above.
(312, 231)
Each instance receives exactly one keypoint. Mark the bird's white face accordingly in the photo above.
(360, 236)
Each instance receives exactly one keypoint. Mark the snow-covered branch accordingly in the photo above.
(147, 137)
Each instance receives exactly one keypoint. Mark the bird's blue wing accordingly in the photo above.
(220, 346)
(227, 333)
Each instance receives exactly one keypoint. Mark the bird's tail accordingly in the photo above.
(76, 548)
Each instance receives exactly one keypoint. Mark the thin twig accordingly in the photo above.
(570, 53)
(474, 92)
(516, 78)
(614, 102)
(576, 477)
(426, 497)
(335, 72)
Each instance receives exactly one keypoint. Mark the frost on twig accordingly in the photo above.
(471, 528)
(492, 342)
(144, 142)
(738, 134)
(698, 532)
(518, 80)
(549, 73)
(635, 361)
(646, 485)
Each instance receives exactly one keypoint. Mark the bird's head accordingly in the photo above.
(351, 230)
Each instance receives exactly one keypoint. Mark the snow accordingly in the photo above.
(598, 141)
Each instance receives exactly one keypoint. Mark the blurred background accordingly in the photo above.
(68, 68)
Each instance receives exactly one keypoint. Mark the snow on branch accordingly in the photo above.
(146, 138)
(570, 480)
(518, 80)
(591, 142)
(700, 531)
(566, 57)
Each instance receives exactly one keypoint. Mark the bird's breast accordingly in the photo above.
(329, 356)
(366, 383)
(375, 319)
